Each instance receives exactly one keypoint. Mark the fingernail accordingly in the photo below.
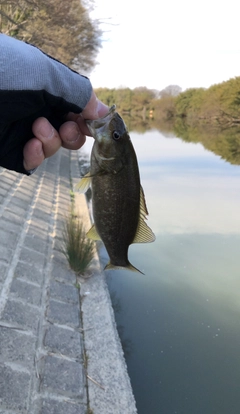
(102, 109)
(74, 135)
(46, 130)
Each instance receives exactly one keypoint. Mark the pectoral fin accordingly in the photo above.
(84, 183)
(93, 234)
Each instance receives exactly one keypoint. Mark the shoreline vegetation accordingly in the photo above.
(209, 116)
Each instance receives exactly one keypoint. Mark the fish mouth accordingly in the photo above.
(94, 124)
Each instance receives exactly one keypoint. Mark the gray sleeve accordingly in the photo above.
(25, 68)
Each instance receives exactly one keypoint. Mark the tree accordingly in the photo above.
(61, 29)
(142, 98)
(184, 101)
(171, 90)
(165, 107)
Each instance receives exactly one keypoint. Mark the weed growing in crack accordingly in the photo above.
(78, 249)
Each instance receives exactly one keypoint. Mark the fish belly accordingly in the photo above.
(116, 200)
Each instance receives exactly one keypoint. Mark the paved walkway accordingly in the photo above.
(59, 350)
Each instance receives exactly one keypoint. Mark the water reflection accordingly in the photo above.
(116, 304)
(185, 181)
(182, 317)
(223, 141)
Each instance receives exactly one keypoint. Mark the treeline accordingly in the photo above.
(128, 101)
(219, 104)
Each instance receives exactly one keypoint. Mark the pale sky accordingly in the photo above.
(173, 42)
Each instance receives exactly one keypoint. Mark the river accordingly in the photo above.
(180, 322)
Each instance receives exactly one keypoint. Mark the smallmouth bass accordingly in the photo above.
(118, 202)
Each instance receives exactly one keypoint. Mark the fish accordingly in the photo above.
(118, 202)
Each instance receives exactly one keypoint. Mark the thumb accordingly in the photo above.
(94, 108)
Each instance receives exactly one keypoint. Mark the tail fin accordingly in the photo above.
(110, 266)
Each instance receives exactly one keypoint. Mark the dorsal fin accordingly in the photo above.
(143, 234)
(143, 205)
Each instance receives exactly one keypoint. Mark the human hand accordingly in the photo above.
(72, 134)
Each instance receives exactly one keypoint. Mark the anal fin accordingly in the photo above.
(144, 234)
(93, 234)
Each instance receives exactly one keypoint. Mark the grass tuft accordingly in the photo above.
(78, 249)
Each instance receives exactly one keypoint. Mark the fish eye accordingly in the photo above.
(116, 135)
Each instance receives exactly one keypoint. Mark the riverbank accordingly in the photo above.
(60, 351)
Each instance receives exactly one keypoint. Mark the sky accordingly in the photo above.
(172, 42)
